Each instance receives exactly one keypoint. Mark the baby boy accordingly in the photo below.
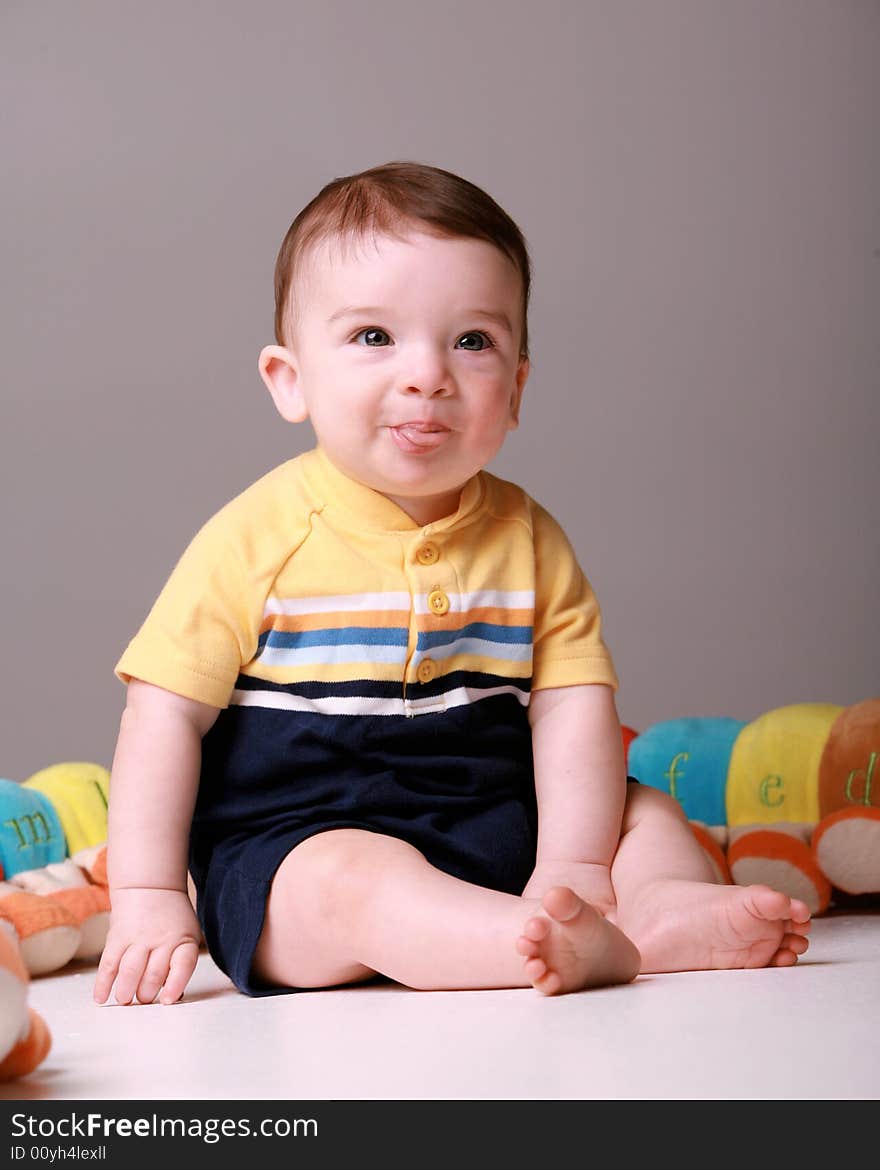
(372, 712)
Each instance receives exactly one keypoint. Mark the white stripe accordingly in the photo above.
(461, 696)
(385, 602)
(339, 603)
(347, 654)
(327, 705)
(481, 599)
(353, 705)
(507, 651)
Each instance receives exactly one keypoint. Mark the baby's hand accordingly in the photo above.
(151, 948)
(589, 881)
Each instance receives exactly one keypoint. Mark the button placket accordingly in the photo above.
(425, 555)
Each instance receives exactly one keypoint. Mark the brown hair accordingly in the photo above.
(388, 199)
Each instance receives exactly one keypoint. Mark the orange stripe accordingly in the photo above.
(374, 619)
(318, 672)
(387, 618)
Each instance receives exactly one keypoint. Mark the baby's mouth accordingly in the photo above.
(423, 436)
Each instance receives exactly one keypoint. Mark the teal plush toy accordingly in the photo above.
(30, 832)
(688, 758)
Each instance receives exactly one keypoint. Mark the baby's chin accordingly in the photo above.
(424, 506)
(399, 476)
(396, 472)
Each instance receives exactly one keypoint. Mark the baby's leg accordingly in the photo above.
(346, 904)
(669, 905)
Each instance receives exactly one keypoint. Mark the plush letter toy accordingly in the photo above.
(24, 1037)
(793, 796)
(53, 830)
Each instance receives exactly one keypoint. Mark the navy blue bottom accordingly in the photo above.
(458, 786)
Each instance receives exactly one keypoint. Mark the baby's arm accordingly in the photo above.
(580, 782)
(153, 942)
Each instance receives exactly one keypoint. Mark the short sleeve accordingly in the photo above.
(203, 626)
(567, 640)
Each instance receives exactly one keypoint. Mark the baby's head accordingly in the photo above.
(394, 200)
(401, 300)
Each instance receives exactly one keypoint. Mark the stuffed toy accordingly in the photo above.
(24, 1036)
(791, 799)
(53, 830)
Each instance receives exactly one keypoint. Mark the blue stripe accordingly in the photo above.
(486, 631)
(346, 635)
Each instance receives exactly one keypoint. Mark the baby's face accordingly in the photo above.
(406, 360)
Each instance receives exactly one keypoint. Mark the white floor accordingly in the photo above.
(810, 1032)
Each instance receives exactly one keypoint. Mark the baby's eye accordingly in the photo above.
(485, 342)
(373, 337)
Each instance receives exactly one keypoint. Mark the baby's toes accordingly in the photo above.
(770, 904)
(542, 978)
(535, 969)
(794, 942)
(797, 925)
(800, 913)
(537, 928)
(526, 946)
(562, 903)
(789, 948)
(783, 958)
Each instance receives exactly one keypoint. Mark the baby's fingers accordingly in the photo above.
(154, 976)
(130, 972)
(107, 968)
(183, 962)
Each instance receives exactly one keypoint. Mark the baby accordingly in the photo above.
(371, 712)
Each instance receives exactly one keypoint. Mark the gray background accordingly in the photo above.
(699, 183)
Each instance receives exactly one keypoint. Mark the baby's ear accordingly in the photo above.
(522, 374)
(278, 370)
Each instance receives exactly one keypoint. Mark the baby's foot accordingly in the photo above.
(570, 946)
(696, 926)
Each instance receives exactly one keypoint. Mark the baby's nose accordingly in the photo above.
(428, 389)
(427, 373)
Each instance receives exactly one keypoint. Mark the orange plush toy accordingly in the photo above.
(24, 1036)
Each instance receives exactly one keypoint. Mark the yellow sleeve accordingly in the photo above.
(204, 625)
(568, 645)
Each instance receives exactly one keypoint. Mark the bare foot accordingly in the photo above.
(694, 926)
(570, 946)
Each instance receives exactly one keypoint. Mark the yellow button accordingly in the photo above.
(438, 602)
(428, 554)
(427, 670)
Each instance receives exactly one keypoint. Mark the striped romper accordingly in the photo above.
(372, 673)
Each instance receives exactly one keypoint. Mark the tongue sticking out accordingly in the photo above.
(416, 436)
